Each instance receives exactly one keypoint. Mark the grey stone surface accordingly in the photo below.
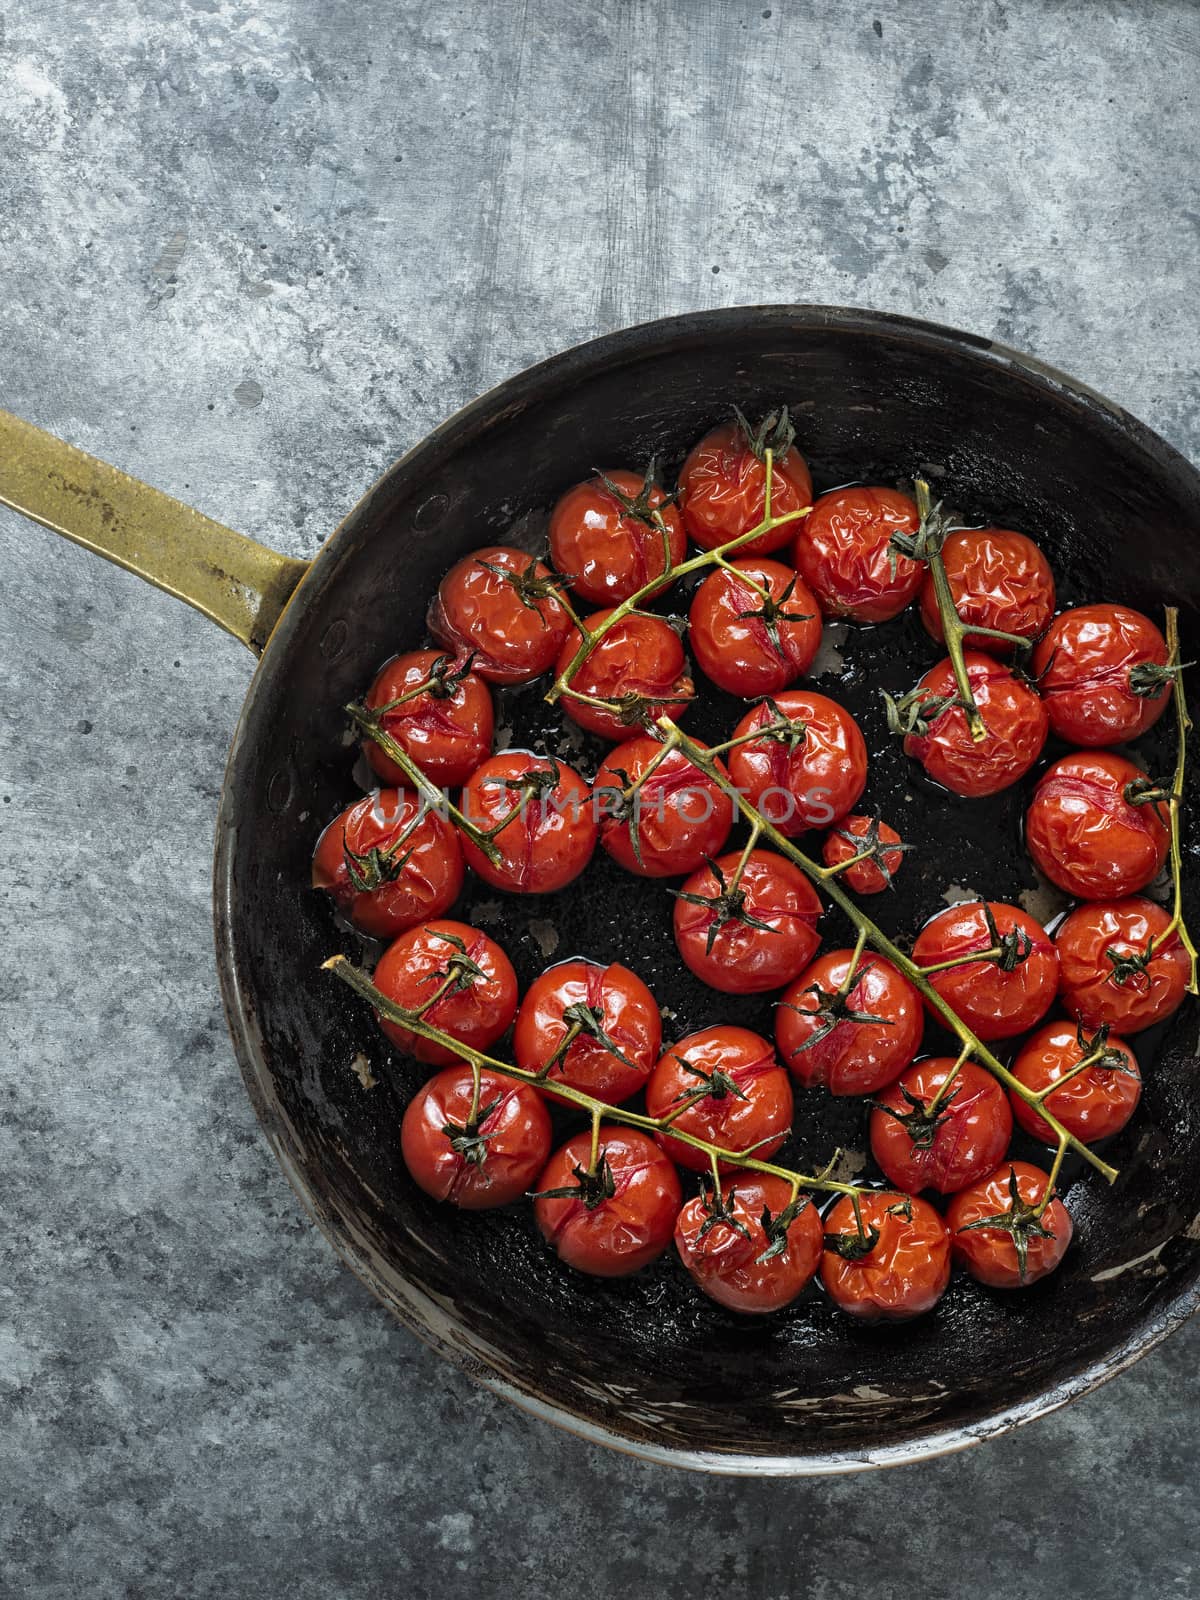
(250, 250)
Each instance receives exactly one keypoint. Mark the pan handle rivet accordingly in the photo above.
(279, 790)
(430, 512)
(333, 640)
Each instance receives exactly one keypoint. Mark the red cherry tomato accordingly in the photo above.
(471, 976)
(962, 1141)
(620, 1217)
(754, 640)
(897, 1267)
(550, 831)
(808, 777)
(608, 536)
(388, 863)
(749, 933)
(1019, 1248)
(1089, 833)
(437, 711)
(722, 484)
(1121, 968)
(500, 606)
(998, 579)
(1002, 994)
(852, 837)
(674, 821)
(639, 663)
(1095, 1103)
(606, 1019)
(845, 555)
(1013, 715)
(849, 1029)
(754, 1249)
(722, 1084)
(1102, 671)
(487, 1159)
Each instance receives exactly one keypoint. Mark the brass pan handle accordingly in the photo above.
(241, 585)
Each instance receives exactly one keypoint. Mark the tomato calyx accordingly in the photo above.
(1021, 1219)
(718, 1208)
(776, 1228)
(369, 870)
(916, 712)
(1096, 1052)
(592, 1189)
(1149, 680)
(923, 1119)
(529, 589)
(790, 732)
(1128, 964)
(1009, 949)
(726, 906)
(1147, 791)
(465, 1138)
(633, 709)
(833, 1007)
(460, 971)
(581, 1018)
(870, 847)
(774, 611)
(775, 433)
(933, 529)
(853, 1246)
(714, 1085)
(532, 787)
(642, 507)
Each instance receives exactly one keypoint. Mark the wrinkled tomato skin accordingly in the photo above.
(904, 1275)
(516, 1130)
(812, 786)
(1094, 1105)
(989, 1254)
(1083, 668)
(998, 579)
(743, 959)
(606, 554)
(736, 651)
(549, 841)
(1085, 836)
(629, 1016)
(864, 877)
(843, 552)
(426, 885)
(1013, 715)
(447, 738)
(622, 1234)
(967, 1145)
(855, 1057)
(1090, 987)
(725, 1263)
(682, 816)
(639, 655)
(478, 612)
(723, 492)
(762, 1119)
(408, 973)
(993, 1003)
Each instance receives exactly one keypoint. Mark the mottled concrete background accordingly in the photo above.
(251, 250)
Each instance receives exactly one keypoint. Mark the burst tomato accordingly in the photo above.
(881, 847)
(961, 1141)
(844, 553)
(1097, 826)
(592, 1027)
(754, 627)
(665, 824)
(1121, 968)
(850, 1029)
(475, 1151)
(501, 607)
(437, 710)
(722, 1084)
(1094, 1103)
(468, 973)
(613, 535)
(616, 1219)
(896, 1267)
(998, 579)
(808, 767)
(1103, 674)
(1002, 993)
(722, 484)
(995, 1233)
(388, 864)
(750, 932)
(1013, 715)
(538, 812)
(639, 665)
(752, 1249)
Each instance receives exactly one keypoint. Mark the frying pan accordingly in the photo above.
(647, 1364)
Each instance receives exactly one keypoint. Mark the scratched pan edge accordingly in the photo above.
(649, 1365)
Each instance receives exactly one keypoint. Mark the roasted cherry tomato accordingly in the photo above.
(670, 822)
(1121, 967)
(610, 535)
(961, 1140)
(472, 978)
(722, 1084)
(895, 1267)
(500, 607)
(844, 553)
(996, 1234)
(722, 484)
(808, 767)
(617, 1218)
(753, 1248)
(1103, 674)
(592, 1027)
(438, 711)
(881, 848)
(388, 863)
(1002, 993)
(850, 1028)
(475, 1150)
(999, 580)
(539, 814)
(747, 928)
(639, 665)
(1093, 1103)
(1097, 826)
(754, 627)
(1013, 715)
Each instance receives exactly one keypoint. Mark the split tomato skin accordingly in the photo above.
(739, 958)
(995, 1003)
(678, 819)
(474, 1009)
(848, 839)
(965, 1140)
(446, 734)
(851, 1057)
(627, 1014)
(551, 832)
(999, 579)
(606, 552)
(990, 1254)
(621, 1233)
(843, 552)
(1085, 832)
(1012, 712)
(727, 1261)
(1107, 980)
(1096, 1104)
(498, 606)
(1102, 672)
(723, 491)
(748, 645)
(413, 860)
(906, 1271)
(504, 1150)
(748, 1104)
(641, 655)
(813, 785)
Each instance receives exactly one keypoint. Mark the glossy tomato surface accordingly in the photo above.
(1102, 672)
(1088, 833)
(849, 1028)
(999, 995)
(853, 836)
(622, 1218)
(722, 1084)
(844, 553)
(638, 665)
(1093, 1104)
(807, 776)
(388, 863)
(747, 928)
(1018, 1249)
(999, 580)
(471, 976)
(723, 489)
(755, 1251)
(961, 1140)
(1121, 967)
(754, 629)
(614, 534)
(1013, 716)
(437, 711)
(475, 1161)
(668, 823)
(605, 1017)
(906, 1269)
(539, 815)
(500, 606)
